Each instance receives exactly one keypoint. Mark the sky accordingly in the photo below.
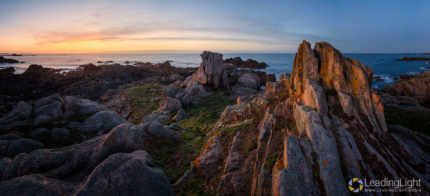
(110, 26)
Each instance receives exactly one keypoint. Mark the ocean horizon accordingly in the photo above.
(383, 64)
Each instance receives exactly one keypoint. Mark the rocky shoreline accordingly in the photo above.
(160, 130)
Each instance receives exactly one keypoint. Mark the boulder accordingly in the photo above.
(176, 127)
(249, 80)
(10, 137)
(196, 91)
(47, 100)
(186, 100)
(159, 116)
(40, 132)
(42, 120)
(74, 106)
(245, 91)
(180, 115)
(170, 104)
(12, 169)
(14, 125)
(75, 162)
(3, 147)
(60, 133)
(4, 163)
(101, 121)
(154, 128)
(21, 112)
(23, 146)
(133, 174)
(54, 109)
(37, 185)
(211, 71)
(170, 91)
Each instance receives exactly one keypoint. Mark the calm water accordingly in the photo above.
(278, 62)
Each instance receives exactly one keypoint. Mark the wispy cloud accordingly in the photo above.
(169, 30)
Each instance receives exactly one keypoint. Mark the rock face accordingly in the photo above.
(314, 131)
(418, 88)
(346, 76)
(207, 162)
(211, 71)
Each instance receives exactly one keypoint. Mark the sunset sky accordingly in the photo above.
(225, 26)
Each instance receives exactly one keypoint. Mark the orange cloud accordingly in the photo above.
(48, 37)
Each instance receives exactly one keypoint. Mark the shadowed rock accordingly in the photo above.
(101, 121)
(134, 174)
(75, 162)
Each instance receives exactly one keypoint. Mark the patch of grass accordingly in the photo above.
(193, 188)
(175, 158)
(168, 122)
(336, 107)
(271, 160)
(233, 130)
(215, 102)
(232, 79)
(418, 121)
(331, 92)
(316, 173)
(279, 96)
(250, 146)
(142, 101)
(320, 81)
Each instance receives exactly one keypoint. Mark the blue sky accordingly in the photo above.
(224, 26)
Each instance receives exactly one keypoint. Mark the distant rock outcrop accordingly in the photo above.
(417, 87)
(253, 64)
(4, 60)
(413, 59)
(211, 71)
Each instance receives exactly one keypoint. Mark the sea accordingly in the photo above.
(384, 65)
